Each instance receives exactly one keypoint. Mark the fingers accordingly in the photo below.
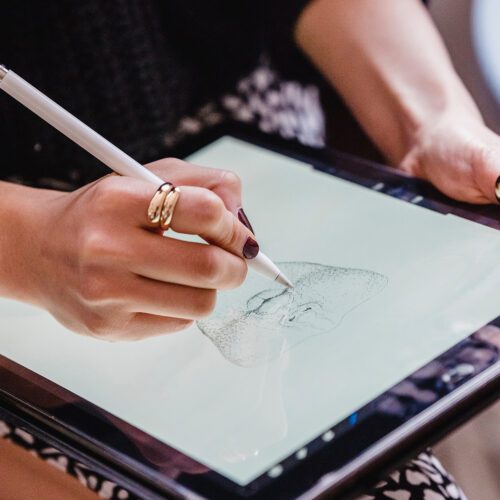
(488, 175)
(200, 211)
(460, 177)
(142, 326)
(224, 183)
(167, 299)
(185, 263)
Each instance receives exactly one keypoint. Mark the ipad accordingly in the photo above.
(392, 324)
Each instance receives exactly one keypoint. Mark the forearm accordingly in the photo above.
(19, 211)
(388, 62)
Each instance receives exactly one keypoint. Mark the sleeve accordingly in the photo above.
(282, 19)
(225, 37)
(278, 41)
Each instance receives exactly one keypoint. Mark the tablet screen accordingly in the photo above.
(381, 288)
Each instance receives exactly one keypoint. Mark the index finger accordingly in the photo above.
(225, 183)
(200, 211)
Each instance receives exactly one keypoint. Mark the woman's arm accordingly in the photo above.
(19, 208)
(388, 62)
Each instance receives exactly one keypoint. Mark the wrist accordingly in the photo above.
(425, 115)
(23, 213)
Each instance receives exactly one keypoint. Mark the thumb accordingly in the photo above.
(489, 176)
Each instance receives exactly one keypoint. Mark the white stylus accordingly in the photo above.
(101, 148)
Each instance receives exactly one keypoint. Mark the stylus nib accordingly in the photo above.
(283, 280)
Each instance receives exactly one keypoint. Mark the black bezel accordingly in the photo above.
(85, 431)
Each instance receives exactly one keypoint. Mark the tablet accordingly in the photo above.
(392, 326)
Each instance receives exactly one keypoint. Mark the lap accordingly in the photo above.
(423, 478)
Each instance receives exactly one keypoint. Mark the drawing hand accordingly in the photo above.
(100, 268)
(461, 157)
(224, 183)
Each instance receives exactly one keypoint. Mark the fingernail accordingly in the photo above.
(497, 190)
(242, 217)
(251, 249)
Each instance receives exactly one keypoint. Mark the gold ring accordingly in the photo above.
(168, 208)
(497, 190)
(156, 203)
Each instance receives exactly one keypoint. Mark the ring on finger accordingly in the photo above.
(156, 204)
(167, 211)
(497, 190)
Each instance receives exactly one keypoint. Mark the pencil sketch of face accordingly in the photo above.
(254, 325)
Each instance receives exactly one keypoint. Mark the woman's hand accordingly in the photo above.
(91, 258)
(460, 156)
(388, 62)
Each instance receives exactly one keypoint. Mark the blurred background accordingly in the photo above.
(471, 29)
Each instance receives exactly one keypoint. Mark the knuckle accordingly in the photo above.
(478, 151)
(115, 195)
(164, 166)
(97, 326)
(232, 234)
(179, 325)
(237, 276)
(108, 192)
(94, 289)
(204, 303)
(96, 244)
(211, 266)
(230, 180)
(210, 208)
(241, 274)
(485, 157)
(171, 162)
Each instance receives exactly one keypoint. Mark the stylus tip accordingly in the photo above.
(283, 280)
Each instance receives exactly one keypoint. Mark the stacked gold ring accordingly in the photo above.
(162, 205)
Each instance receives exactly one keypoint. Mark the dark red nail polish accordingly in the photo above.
(251, 249)
(242, 217)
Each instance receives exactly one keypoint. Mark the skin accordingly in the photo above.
(91, 260)
(388, 62)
